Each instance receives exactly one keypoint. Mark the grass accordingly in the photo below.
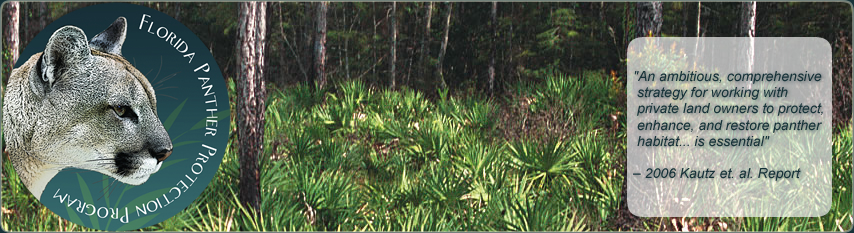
(546, 157)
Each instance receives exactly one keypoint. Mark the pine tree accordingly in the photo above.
(320, 44)
(393, 35)
(250, 101)
(445, 44)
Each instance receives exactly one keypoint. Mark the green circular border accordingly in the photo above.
(184, 93)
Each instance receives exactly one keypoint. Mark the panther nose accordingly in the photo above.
(161, 155)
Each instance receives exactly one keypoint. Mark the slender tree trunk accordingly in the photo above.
(422, 63)
(649, 19)
(308, 40)
(748, 29)
(11, 31)
(509, 72)
(24, 23)
(178, 11)
(374, 38)
(697, 42)
(684, 19)
(347, 47)
(43, 17)
(250, 101)
(444, 45)
(33, 19)
(282, 79)
(494, 47)
(393, 35)
(699, 14)
(410, 52)
(320, 44)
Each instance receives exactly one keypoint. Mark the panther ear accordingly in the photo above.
(112, 38)
(65, 48)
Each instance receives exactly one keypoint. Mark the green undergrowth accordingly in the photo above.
(547, 156)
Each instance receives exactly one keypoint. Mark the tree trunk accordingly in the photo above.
(11, 32)
(649, 19)
(507, 68)
(699, 13)
(178, 11)
(347, 46)
(24, 23)
(444, 45)
(373, 42)
(422, 63)
(43, 14)
(393, 35)
(684, 19)
(491, 72)
(697, 42)
(282, 79)
(308, 40)
(747, 28)
(320, 44)
(250, 101)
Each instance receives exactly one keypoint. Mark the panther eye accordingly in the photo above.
(122, 110)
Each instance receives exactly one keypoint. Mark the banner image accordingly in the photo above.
(426, 116)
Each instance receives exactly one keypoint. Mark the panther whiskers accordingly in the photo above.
(80, 104)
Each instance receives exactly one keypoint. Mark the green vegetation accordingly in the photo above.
(356, 157)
